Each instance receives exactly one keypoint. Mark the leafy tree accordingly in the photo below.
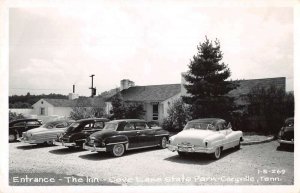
(20, 105)
(269, 107)
(178, 115)
(87, 108)
(125, 110)
(15, 116)
(207, 89)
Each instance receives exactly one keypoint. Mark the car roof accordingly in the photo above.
(58, 121)
(20, 120)
(92, 119)
(127, 120)
(212, 120)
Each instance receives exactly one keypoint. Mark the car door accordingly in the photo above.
(88, 129)
(222, 131)
(18, 128)
(128, 129)
(32, 125)
(145, 135)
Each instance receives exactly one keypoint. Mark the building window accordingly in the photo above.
(42, 111)
(155, 112)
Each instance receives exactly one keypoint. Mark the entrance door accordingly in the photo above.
(155, 112)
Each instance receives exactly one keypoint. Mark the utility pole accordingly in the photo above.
(93, 90)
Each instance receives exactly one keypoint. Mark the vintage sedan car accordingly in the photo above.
(210, 135)
(76, 133)
(46, 133)
(286, 133)
(16, 128)
(120, 135)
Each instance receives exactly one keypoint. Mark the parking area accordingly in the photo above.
(260, 164)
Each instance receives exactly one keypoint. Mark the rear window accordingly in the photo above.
(199, 126)
(111, 126)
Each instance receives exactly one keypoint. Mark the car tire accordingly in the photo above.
(238, 146)
(217, 154)
(12, 137)
(182, 154)
(163, 142)
(118, 150)
(49, 143)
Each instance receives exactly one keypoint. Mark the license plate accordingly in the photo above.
(185, 149)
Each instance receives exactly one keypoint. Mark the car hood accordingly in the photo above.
(192, 136)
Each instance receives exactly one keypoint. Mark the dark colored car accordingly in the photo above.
(120, 135)
(77, 132)
(16, 128)
(286, 133)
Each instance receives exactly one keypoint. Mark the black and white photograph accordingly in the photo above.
(149, 96)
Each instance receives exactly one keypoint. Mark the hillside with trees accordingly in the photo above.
(25, 101)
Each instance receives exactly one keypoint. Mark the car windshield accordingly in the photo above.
(111, 126)
(199, 126)
(73, 127)
(49, 125)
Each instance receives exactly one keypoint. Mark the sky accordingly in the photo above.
(50, 49)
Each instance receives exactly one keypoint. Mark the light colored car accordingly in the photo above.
(46, 133)
(210, 135)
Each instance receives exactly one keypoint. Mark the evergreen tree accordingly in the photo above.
(207, 87)
(118, 109)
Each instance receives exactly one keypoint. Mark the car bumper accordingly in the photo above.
(190, 149)
(94, 148)
(285, 141)
(27, 140)
(64, 143)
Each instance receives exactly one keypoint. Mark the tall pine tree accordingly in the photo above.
(206, 86)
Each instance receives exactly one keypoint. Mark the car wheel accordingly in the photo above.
(163, 142)
(118, 150)
(217, 153)
(49, 142)
(238, 146)
(181, 154)
(12, 137)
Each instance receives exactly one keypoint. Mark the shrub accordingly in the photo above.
(178, 115)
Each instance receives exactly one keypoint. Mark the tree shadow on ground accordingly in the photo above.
(198, 158)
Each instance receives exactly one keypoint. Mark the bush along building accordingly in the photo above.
(156, 99)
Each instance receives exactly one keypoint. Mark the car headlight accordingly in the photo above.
(171, 139)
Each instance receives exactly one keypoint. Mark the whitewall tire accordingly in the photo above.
(217, 154)
(118, 150)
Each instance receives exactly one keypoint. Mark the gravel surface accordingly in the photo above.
(261, 164)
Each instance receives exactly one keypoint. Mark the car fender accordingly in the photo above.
(117, 139)
(215, 140)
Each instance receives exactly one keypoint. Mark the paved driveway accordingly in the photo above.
(253, 165)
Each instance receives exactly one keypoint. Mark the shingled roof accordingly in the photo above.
(84, 102)
(60, 102)
(245, 86)
(150, 93)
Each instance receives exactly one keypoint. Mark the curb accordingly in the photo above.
(258, 142)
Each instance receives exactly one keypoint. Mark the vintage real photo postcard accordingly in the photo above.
(153, 95)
